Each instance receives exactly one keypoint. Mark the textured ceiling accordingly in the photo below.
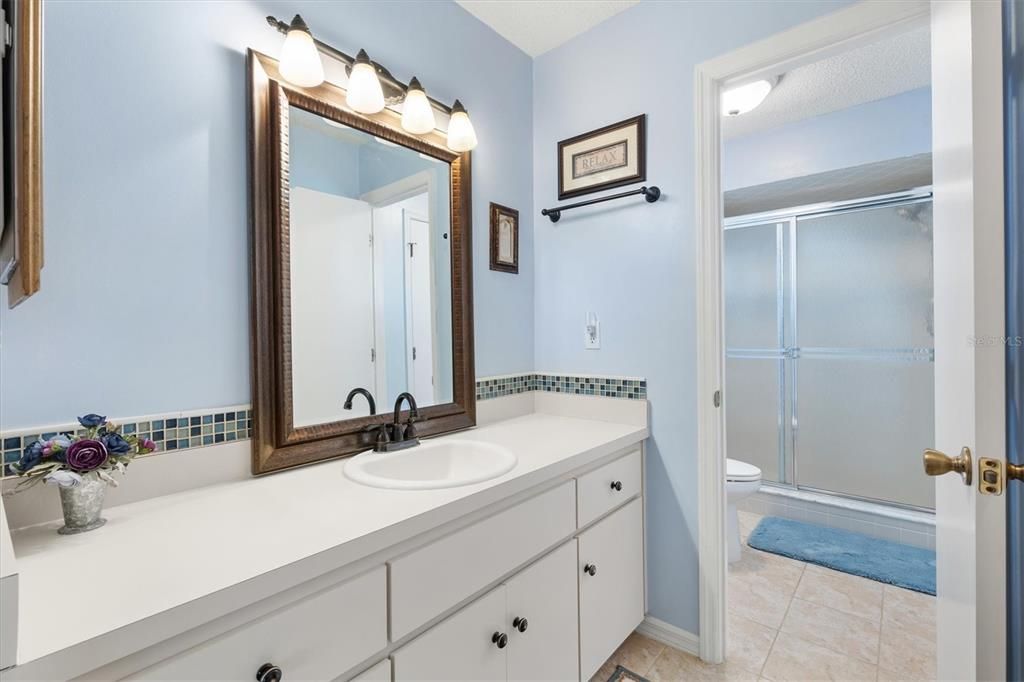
(857, 182)
(536, 26)
(881, 69)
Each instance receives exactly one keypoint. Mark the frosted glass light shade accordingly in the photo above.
(417, 114)
(300, 60)
(364, 92)
(461, 136)
(740, 100)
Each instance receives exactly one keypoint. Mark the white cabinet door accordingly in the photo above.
(461, 647)
(611, 575)
(542, 619)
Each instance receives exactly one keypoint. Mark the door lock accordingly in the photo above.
(938, 463)
(993, 474)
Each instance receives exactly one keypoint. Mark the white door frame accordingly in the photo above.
(817, 39)
(413, 185)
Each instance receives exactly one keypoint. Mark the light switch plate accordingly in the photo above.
(592, 332)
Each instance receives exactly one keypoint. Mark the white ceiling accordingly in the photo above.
(882, 69)
(536, 26)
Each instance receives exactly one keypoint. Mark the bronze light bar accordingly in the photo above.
(394, 90)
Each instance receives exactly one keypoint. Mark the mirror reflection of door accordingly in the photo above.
(370, 269)
(419, 322)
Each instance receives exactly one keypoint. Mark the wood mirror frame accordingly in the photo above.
(277, 443)
(23, 149)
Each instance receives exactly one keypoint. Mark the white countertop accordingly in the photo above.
(168, 551)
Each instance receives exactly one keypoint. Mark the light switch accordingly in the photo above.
(592, 332)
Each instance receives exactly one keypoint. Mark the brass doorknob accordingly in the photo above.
(938, 463)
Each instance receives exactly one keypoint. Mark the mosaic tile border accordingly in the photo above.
(187, 430)
(178, 431)
(631, 388)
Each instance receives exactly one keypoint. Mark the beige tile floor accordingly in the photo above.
(794, 621)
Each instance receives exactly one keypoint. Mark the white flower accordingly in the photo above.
(64, 479)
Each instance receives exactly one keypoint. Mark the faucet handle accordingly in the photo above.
(382, 436)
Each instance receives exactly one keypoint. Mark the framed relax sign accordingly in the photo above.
(611, 156)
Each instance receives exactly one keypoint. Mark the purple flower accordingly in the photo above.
(91, 421)
(86, 454)
(147, 445)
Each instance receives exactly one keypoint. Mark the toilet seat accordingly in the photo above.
(738, 471)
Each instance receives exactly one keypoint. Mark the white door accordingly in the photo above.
(969, 319)
(466, 646)
(419, 310)
(332, 304)
(542, 619)
(611, 575)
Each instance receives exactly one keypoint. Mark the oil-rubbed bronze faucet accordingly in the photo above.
(402, 435)
(363, 392)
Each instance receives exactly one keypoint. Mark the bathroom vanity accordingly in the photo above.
(513, 550)
(535, 574)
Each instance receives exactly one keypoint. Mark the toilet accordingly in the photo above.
(741, 481)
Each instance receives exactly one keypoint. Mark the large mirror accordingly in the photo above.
(370, 255)
(360, 275)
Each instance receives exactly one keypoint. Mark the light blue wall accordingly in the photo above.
(321, 162)
(144, 306)
(633, 263)
(888, 128)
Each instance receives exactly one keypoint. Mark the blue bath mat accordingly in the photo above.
(881, 560)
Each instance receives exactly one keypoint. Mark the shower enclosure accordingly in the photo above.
(829, 346)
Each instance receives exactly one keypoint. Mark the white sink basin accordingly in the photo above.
(431, 465)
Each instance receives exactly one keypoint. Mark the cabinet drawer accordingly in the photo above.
(433, 578)
(460, 647)
(612, 599)
(317, 638)
(599, 490)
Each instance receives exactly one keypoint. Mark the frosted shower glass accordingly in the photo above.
(864, 278)
(752, 413)
(862, 426)
(751, 302)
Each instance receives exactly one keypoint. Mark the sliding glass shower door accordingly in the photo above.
(829, 347)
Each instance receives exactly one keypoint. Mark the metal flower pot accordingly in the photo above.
(83, 505)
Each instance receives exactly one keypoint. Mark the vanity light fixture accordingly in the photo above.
(371, 87)
(417, 114)
(745, 98)
(300, 60)
(364, 92)
(461, 136)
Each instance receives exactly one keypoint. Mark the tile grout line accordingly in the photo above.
(803, 571)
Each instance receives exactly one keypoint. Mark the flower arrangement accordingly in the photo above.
(65, 459)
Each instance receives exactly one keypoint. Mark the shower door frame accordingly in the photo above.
(788, 349)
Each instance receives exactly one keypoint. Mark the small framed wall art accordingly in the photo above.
(611, 156)
(504, 238)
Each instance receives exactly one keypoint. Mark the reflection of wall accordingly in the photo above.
(332, 299)
(145, 300)
(322, 162)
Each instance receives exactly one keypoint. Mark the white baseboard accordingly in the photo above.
(669, 634)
